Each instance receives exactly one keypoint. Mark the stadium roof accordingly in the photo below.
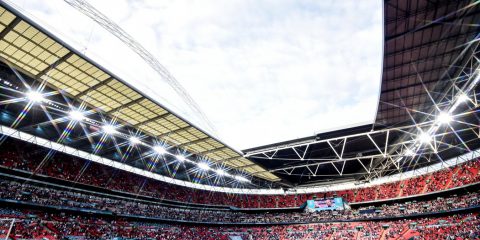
(44, 57)
(429, 67)
(425, 47)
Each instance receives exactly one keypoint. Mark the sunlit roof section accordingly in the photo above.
(43, 57)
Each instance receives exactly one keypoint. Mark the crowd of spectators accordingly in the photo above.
(41, 225)
(65, 167)
(75, 198)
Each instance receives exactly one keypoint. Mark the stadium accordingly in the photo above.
(85, 154)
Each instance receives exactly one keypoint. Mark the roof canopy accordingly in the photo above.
(430, 63)
(43, 57)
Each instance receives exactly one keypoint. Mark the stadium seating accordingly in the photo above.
(35, 224)
(70, 198)
(78, 170)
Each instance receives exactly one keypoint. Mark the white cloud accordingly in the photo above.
(262, 71)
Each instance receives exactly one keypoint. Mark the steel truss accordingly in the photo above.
(396, 148)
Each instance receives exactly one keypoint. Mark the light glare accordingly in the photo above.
(134, 140)
(241, 179)
(159, 150)
(35, 96)
(203, 166)
(220, 172)
(76, 115)
(409, 152)
(425, 137)
(463, 98)
(109, 129)
(180, 158)
(444, 118)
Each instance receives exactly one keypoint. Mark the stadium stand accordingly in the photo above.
(68, 198)
(68, 168)
(34, 224)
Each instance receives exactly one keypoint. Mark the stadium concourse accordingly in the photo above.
(84, 155)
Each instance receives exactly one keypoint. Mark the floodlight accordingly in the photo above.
(109, 129)
(241, 178)
(35, 96)
(424, 137)
(409, 152)
(134, 140)
(220, 172)
(203, 166)
(463, 97)
(444, 118)
(159, 150)
(76, 115)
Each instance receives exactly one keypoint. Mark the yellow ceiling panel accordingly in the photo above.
(232, 164)
(195, 148)
(20, 41)
(187, 135)
(205, 145)
(23, 28)
(6, 17)
(214, 143)
(197, 133)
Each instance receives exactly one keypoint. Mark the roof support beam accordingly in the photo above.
(152, 119)
(246, 166)
(411, 14)
(450, 16)
(192, 142)
(94, 87)
(133, 102)
(229, 159)
(419, 46)
(54, 64)
(329, 140)
(416, 74)
(174, 131)
(9, 27)
(213, 150)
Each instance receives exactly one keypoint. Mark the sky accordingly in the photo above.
(262, 71)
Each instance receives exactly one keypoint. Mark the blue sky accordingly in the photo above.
(262, 71)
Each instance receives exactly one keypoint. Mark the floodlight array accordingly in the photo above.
(443, 118)
(37, 97)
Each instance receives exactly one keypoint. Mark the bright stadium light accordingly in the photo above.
(424, 137)
(203, 166)
(109, 129)
(463, 97)
(180, 158)
(134, 140)
(35, 96)
(409, 152)
(220, 172)
(159, 149)
(76, 115)
(241, 178)
(444, 118)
